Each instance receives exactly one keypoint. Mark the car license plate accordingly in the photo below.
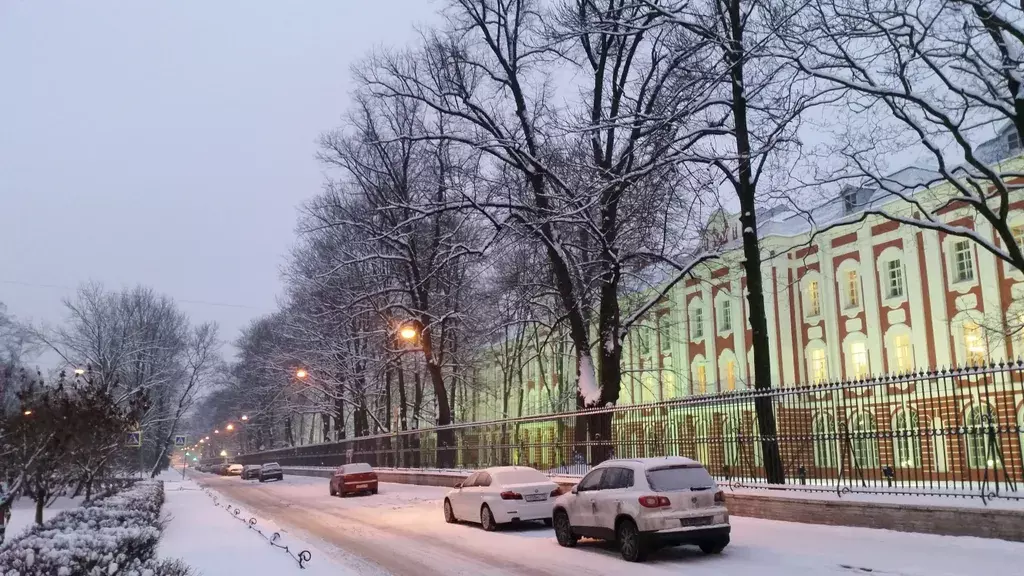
(698, 521)
(536, 497)
(361, 486)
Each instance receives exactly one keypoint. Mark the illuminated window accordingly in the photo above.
(813, 299)
(894, 271)
(697, 322)
(906, 441)
(982, 437)
(701, 381)
(819, 366)
(858, 360)
(904, 361)
(725, 316)
(852, 289)
(974, 344)
(730, 375)
(1018, 235)
(963, 262)
(864, 442)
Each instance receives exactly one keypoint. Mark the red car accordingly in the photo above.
(354, 479)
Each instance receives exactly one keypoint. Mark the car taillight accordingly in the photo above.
(511, 496)
(654, 501)
(556, 492)
(720, 497)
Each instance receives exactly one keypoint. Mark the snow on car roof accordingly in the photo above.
(652, 462)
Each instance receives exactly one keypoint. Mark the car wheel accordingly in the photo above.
(487, 519)
(632, 544)
(563, 530)
(333, 491)
(449, 514)
(714, 546)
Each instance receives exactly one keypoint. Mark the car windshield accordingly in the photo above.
(676, 478)
(271, 466)
(522, 476)
(357, 468)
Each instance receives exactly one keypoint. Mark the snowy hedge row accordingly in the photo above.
(114, 535)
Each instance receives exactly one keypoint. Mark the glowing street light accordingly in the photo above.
(28, 412)
(207, 438)
(201, 440)
(223, 452)
(244, 417)
(216, 431)
(301, 374)
(408, 332)
(79, 371)
(230, 427)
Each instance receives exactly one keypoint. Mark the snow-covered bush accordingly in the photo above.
(117, 534)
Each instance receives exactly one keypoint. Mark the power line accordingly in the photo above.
(183, 301)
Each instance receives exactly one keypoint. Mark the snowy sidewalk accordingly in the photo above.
(208, 539)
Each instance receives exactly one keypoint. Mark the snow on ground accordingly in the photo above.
(23, 513)
(402, 529)
(205, 536)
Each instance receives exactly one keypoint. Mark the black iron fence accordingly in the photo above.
(956, 433)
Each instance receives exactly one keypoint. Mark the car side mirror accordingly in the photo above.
(575, 489)
(458, 485)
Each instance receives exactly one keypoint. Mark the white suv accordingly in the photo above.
(643, 503)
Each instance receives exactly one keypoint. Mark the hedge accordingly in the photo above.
(113, 535)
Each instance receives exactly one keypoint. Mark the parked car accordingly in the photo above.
(234, 470)
(645, 503)
(355, 478)
(250, 471)
(220, 469)
(271, 471)
(501, 495)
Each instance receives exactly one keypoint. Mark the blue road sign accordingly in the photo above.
(133, 439)
(180, 440)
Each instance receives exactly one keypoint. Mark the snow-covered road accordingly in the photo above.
(402, 530)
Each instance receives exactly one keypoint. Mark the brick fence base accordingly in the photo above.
(925, 519)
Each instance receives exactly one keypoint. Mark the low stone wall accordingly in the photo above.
(921, 518)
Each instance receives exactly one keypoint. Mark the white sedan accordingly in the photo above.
(501, 495)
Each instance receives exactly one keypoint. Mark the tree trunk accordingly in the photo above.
(40, 498)
(746, 190)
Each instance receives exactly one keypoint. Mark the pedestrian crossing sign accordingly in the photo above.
(180, 440)
(133, 439)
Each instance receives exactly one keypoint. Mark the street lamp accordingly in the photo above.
(207, 438)
(408, 332)
(244, 417)
(79, 371)
(223, 452)
(28, 412)
(230, 427)
(216, 431)
(201, 440)
(301, 374)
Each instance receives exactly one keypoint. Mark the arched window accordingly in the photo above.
(702, 432)
(824, 433)
(864, 440)
(731, 449)
(817, 362)
(899, 349)
(858, 365)
(728, 371)
(982, 436)
(906, 439)
(699, 378)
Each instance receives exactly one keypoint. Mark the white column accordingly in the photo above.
(869, 282)
(710, 355)
(790, 374)
(831, 316)
(935, 281)
(913, 284)
(988, 278)
(739, 329)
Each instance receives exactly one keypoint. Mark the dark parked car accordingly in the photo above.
(220, 469)
(356, 478)
(250, 472)
(271, 471)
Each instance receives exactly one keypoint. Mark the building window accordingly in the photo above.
(906, 439)
(725, 316)
(864, 442)
(1018, 235)
(730, 375)
(1013, 141)
(813, 299)
(852, 289)
(974, 345)
(904, 360)
(858, 360)
(963, 262)
(819, 366)
(700, 380)
(697, 322)
(894, 272)
(982, 437)
(824, 432)
(664, 342)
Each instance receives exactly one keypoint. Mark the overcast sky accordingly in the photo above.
(169, 143)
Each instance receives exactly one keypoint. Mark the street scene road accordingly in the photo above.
(402, 530)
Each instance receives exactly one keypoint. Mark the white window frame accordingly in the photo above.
(723, 309)
(842, 284)
(809, 278)
(812, 347)
(895, 332)
(696, 319)
(969, 264)
(852, 340)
